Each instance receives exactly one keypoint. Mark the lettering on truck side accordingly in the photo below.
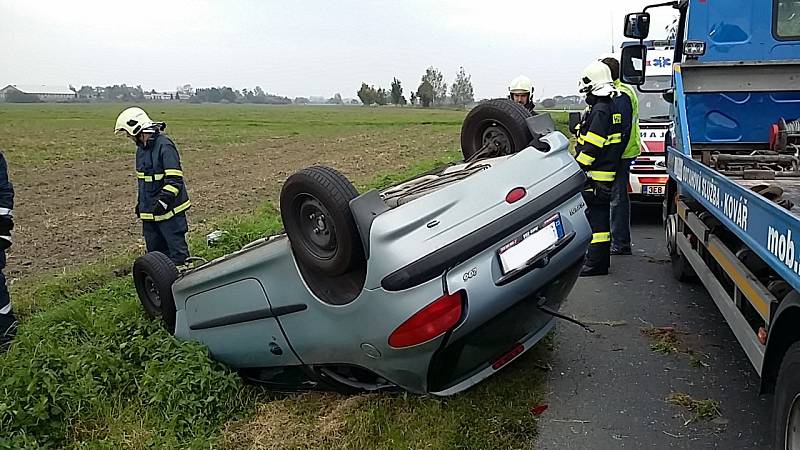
(781, 245)
(734, 207)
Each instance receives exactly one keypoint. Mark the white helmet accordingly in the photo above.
(521, 85)
(596, 79)
(133, 120)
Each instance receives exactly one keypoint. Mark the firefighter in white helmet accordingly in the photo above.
(602, 137)
(162, 201)
(521, 91)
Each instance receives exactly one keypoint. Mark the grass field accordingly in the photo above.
(88, 371)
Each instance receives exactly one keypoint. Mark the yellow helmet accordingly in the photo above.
(521, 85)
(133, 120)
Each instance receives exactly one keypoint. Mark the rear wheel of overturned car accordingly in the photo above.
(315, 208)
(682, 270)
(153, 275)
(498, 126)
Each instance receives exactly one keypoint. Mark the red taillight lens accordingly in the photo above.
(508, 357)
(515, 195)
(430, 322)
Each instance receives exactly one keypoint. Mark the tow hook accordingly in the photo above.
(561, 316)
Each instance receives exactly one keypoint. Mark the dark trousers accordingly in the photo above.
(6, 316)
(621, 207)
(168, 237)
(597, 196)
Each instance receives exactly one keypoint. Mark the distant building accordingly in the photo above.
(43, 92)
(159, 96)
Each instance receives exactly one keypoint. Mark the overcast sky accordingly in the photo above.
(307, 47)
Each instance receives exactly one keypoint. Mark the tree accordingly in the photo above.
(413, 99)
(335, 100)
(425, 94)
(462, 93)
(185, 91)
(301, 101)
(548, 103)
(381, 97)
(403, 100)
(397, 92)
(434, 77)
(86, 92)
(367, 94)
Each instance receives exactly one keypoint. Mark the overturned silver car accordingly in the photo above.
(429, 286)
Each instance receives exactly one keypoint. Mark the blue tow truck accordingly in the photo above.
(732, 202)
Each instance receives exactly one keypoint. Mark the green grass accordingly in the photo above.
(34, 135)
(89, 371)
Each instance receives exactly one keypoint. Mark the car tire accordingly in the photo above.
(153, 275)
(682, 270)
(500, 122)
(786, 403)
(315, 208)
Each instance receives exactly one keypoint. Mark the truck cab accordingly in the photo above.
(732, 202)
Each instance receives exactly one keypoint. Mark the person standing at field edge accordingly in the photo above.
(162, 199)
(8, 322)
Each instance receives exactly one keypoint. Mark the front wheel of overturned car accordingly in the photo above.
(315, 208)
(497, 127)
(786, 404)
(682, 270)
(153, 275)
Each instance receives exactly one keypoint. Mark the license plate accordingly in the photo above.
(529, 245)
(653, 190)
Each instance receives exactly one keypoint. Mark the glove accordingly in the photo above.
(602, 191)
(163, 203)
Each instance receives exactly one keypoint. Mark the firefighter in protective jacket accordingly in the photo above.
(8, 323)
(601, 141)
(162, 199)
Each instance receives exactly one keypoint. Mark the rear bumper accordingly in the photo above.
(467, 360)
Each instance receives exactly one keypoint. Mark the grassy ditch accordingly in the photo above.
(89, 371)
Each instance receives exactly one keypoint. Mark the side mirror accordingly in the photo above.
(574, 120)
(633, 64)
(637, 25)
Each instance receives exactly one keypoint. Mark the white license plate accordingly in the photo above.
(533, 243)
(653, 190)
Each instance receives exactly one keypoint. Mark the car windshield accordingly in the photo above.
(652, 106)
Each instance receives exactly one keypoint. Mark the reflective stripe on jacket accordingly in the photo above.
(601, 140)
(160, 177)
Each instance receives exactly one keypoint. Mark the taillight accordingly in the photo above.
(515, 195)
(508, 357)
(430, 322)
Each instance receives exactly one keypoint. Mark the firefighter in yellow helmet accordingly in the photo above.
(521, 91)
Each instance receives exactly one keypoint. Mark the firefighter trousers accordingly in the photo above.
(598, 200)
(168, 237)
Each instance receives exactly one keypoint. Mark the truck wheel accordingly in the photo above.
(315, 208)
(786, 413)
(153, 275)
(681, 269)
(499, 124)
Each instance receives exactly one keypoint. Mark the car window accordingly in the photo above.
(787, 18)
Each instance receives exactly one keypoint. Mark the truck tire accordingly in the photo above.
(681, 269)
(499, 123)
(786, 404)
(315, 208)
(153, 275)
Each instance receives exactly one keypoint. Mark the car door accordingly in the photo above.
(239, 326)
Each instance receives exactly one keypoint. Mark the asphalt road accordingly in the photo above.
(608, 390)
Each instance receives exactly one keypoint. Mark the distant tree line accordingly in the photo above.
(562, 102)
(432, 90)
